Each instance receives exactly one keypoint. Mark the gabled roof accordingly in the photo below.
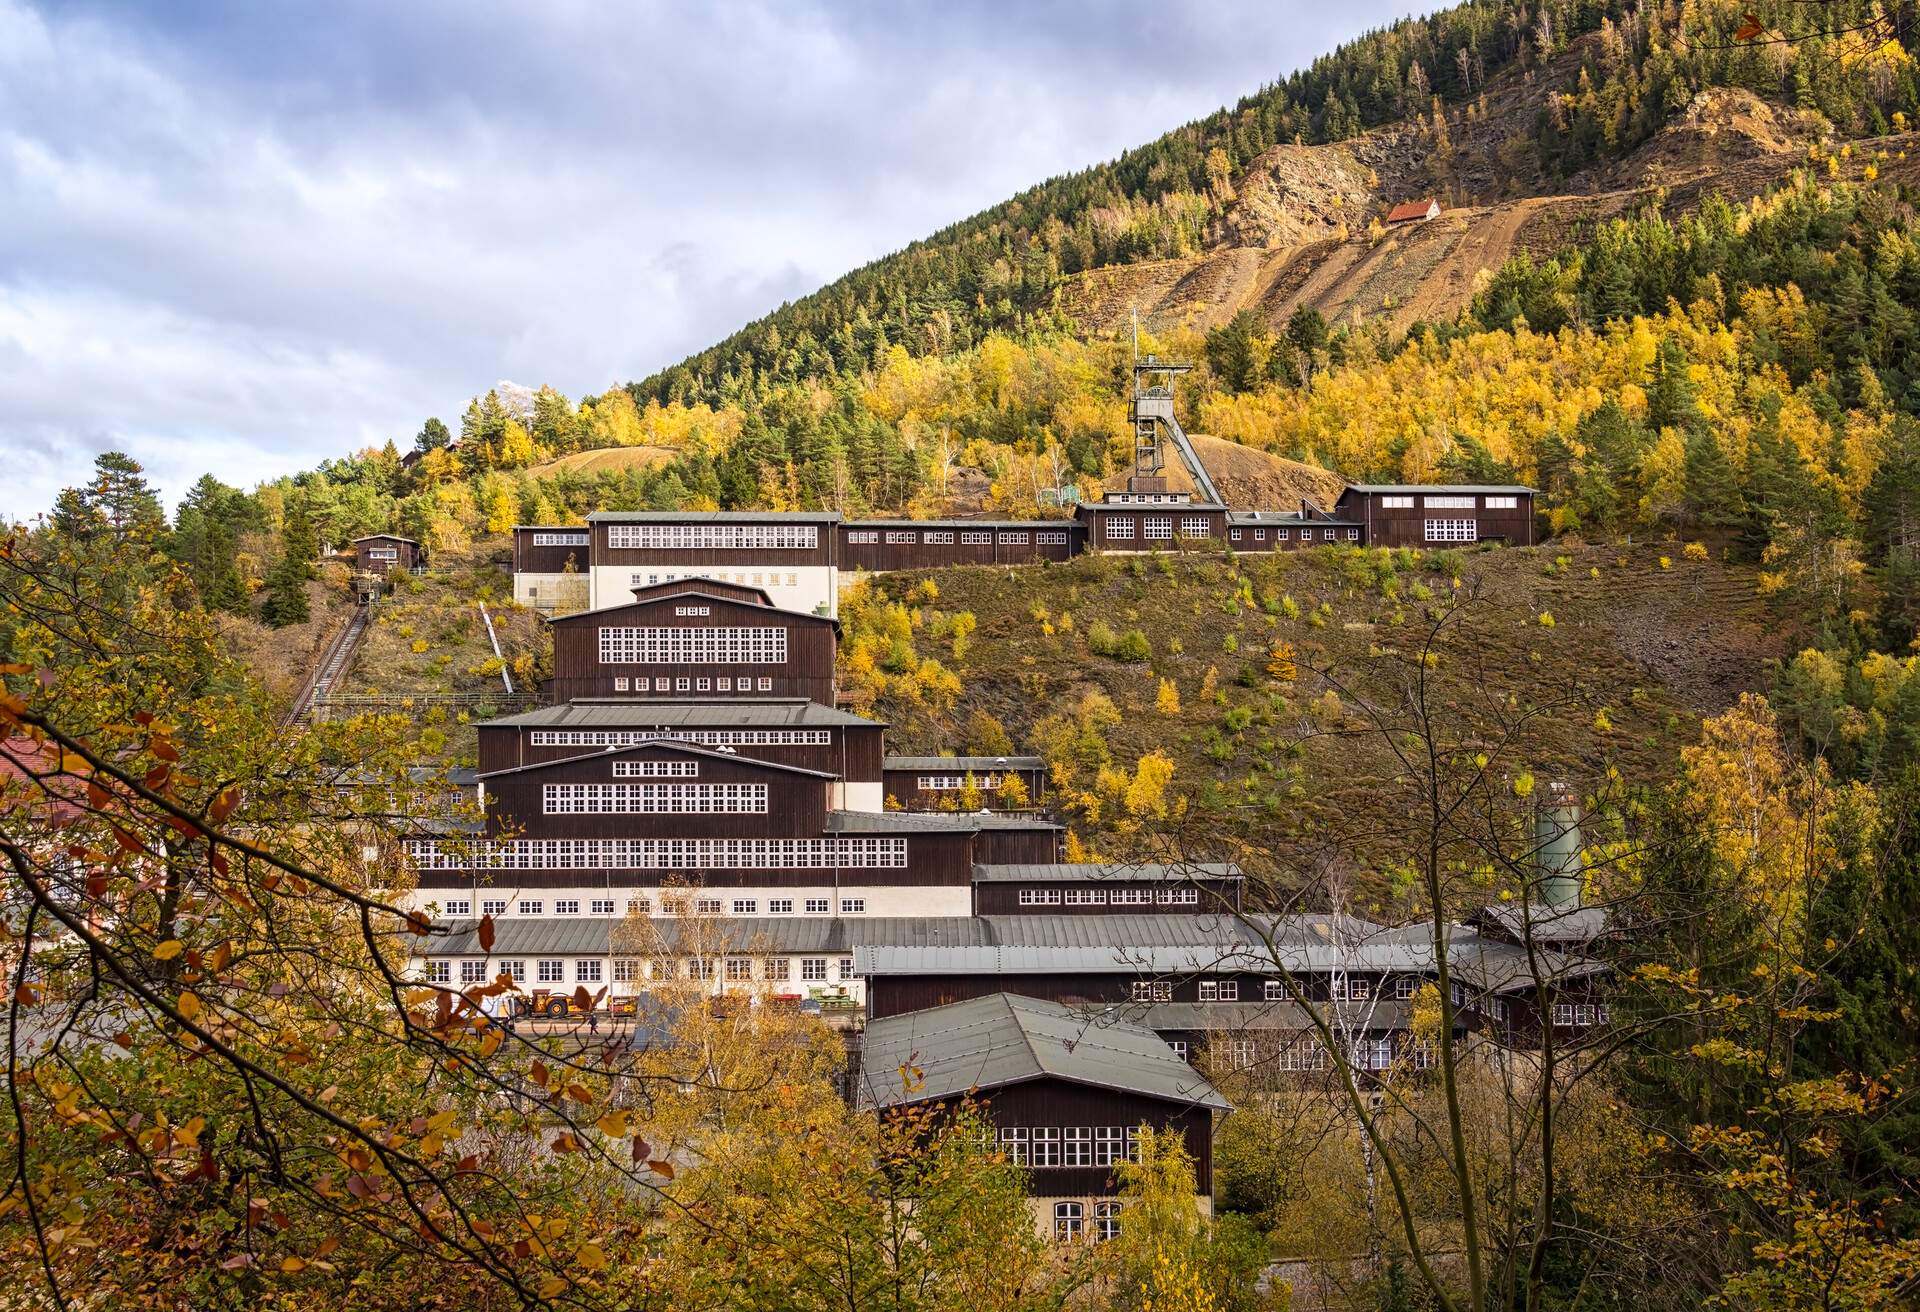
(1117, 872)
(1548, 924)
(1001, 1039)
(1475, 488)
(694, 591)
(1015, 524)
(699, 583)
(713, 517)
(1411, 209)
(928, 822)
(652, 712)
(383, 537)
(961, 763)
(1146, 507)
(677, 745)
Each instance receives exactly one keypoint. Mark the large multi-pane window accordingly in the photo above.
(626, 970)
(459, 906)
(559, 539)
(587, 970)
(1068, 1220)
(1448, 503)
(712, 537)
(938, 537)
(1040, 897)
(1014, 537)
(656, 769)
(1219, 990)
(661, 854)
(1152, 990)
(1119, 528)
(902, 536)
(1195, 526)
(813, 969)
(439, 972)
(1396, 503)
(1051, 537)
(953, 783)
(1106, 1220)
(1503, 503)
(637, 645)
(653, 799)
(1157, 528)
(551, 972)
(863, 535)
(1453, 530)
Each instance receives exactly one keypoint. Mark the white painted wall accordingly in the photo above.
(793, 587)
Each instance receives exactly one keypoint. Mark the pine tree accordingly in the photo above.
(297, 540)
(433, 436)
(1713, 493)
(286, 592)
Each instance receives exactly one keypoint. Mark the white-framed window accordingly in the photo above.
(1039, 897)
(1119, 528)
(659, 685)
(1375, 1054)
(779, 906)
(1497, 1008)
(895, 535)
(1326, 534)
(847, 971)
(1132, 897)
(1152, 990)
(529, 907)
(587, 970)
(1353, 535)
(938, 537)
(1222, 990)
(383, 553)
(1043, 1146)
(766, 684)
(1069, 1219)
(1195, 526)
(1241, 1054)
(1351, 990)
(1284, 534)
(653, 799)
(620, 684)
(737, 645)
(1302, 1054)
(1273, 991)
(974, 537)
(559, 539)
(818, 906)
(1157, 528)
(439, 972)
(1453, 530)
(1013, 1143)
(1233, 534)
(1076, 1145)
(1503, 503)
(1086, 897)
(779, 969)
(626, 970)
(1423, 1052)
(723, 683)
(863, 535)
(639, 906)
(691, 611)
(1405, 987)
(566, 906)
(550, 972)
(746, 906)
(602, 906)
(1180, 897)
(1577, 1014)
(515, 971)
(1396, 503)
(1051, 537)
(706, 906)
(1179, 1047)
(1448, 503)
(459, 906)
(712, 537)
(699, 968)
(1013, 537)
(813, 970)
(739, 969)
(661, 854)
(853, 906)
(493, 906)
(1106, 1217)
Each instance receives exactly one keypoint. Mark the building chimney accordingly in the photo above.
(1556, 840)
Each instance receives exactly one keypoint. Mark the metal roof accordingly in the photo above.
(1547, 924)
(991, 1042)
(622, 713)
(1062, 873)
(961, 523)
(1438, 487)
(681, 746)
(928, 822)
(663, 598)
(1287, 519)
(961, 762)
(384, 537)
(532, 936)
(1149, 507)
(713, 516)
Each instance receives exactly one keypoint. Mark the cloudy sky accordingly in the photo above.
(242, 237)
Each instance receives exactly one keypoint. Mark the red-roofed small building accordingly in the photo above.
(1414, 211)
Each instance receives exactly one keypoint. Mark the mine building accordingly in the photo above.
(388, 553)
(789, 554)
(1438, 514)
(931, 783)
(1065, 1099)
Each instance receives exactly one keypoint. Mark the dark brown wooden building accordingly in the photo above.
(1439, 515)
(1042, 888)
(890, 544)
(790, 554)
(1273, 530)
(387, 553)
(1150, 521)
(691, 640)
(932, 783)
(1064, 1096)
(550, 571)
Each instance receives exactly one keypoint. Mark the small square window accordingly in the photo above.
(853, 906)
(745, 906)
(460, 906)
(603, 906)
(780, 906)
(818, 906)
(567, 906)
(532, 908)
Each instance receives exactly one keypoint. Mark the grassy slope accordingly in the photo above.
(1655, 648)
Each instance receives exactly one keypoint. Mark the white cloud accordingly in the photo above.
(246, 240)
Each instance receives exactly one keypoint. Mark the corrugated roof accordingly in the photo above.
(1548, 924)
(927, 822)
(620, 713)
(533, 936)
(961, 763)
(1287, 519)
(1120, 872)
(713, 516)
(960, 523)
(991, 1042)
(1476, 488)
(677, 745)
(1150, 507)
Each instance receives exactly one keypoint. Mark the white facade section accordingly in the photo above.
(861, 796)
(845, 853)
(813, 589)
(552, 594)
(503, 901)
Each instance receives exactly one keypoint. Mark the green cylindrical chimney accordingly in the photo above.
(1556, 840)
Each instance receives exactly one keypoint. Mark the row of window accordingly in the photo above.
(661, 854)
(953, 783)
(1069, 1220)
(758, 578)
(1450, 502)
(1087, 897)
(1453, 530)
(712, 537)
(1306, 534)
(1148, 498)
(937, 537)
(629, 645)
(1156, 528)
(633, 970)
(706, 737)
(560, 539)
(1044, 1147)
(1579, 1013)
(631, 769)
(458, 907)
(1341, 987)
(653, 799)
(721, 683)
(383, 553)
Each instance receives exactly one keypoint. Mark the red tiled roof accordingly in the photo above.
(1412, 209)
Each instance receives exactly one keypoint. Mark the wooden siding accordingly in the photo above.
(796, 804)
(1100, 519)
(1406, 526)
(1002, 898)
(578, 672)
(854, 753)
(728, 558)
(889, 995)
(529, 559)
(999, 846)
(1002, 548)
(903, 786)
(1266, 537)
(409, 554)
